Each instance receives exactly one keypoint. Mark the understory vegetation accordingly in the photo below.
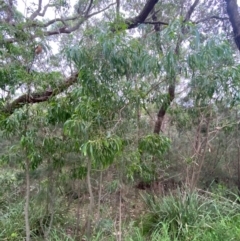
(179, 215)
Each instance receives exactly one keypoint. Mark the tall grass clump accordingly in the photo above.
(190, 216)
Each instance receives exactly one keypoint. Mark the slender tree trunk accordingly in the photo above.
(78, 211)
(171, 88)
(120, 217)
(138, 112)
(238, 154)
(118, 7)
(163, 109)
(91, 204)
(50, 202)
(201, 153)
(26, 208)
(99, 195)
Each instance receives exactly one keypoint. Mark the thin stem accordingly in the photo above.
(26, 208)
(91, 204)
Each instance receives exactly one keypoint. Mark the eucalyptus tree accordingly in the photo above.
(152, 19)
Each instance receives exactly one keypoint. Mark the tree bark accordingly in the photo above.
(163, 109)
(234, 17)
(39, 96)
(134, 22)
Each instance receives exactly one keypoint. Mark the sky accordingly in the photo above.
(22, 4)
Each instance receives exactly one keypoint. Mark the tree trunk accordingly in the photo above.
(234, 17)
(26, 209)
(163, 109)
(171, 88)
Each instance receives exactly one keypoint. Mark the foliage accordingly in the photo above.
(77, 119)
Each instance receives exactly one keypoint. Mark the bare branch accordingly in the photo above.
(190, 11)
(155, 22)
(63, 29)
(77, 25)
(209, 18)
(88, 8)
(35, 14)
(63, 20)
(100, 11)
(44, 10)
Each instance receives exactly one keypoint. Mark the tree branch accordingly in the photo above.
(37, 97)
(38, 11)
(190, 11)
(35, 14)
(67, 30)
(210, 17)
(155, 22)
(63, 29)
(44, 10)
(134, 22)
(234, 17)
(131, 22)
(88, 8)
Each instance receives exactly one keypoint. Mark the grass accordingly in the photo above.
(190, 216)
(180, 216)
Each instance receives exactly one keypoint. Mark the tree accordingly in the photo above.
(38, 29)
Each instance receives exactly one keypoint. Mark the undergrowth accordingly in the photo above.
(180, 216)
